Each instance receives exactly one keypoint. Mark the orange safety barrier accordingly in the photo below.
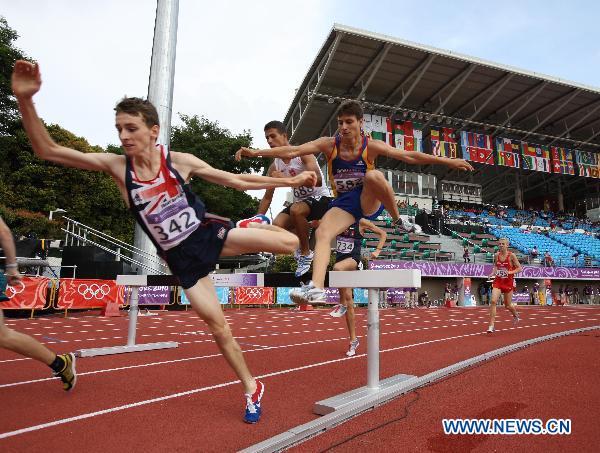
(76, 293)
(31, 293)
(254, 295)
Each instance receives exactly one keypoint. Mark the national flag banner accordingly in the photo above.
(561, 153)
(443, 142)
(589, 171)
(536, 157)
(583, 170)
(588, 163)
(508, 152)
(378, 128)
(477, 147)
(408, 136)
(586, 157)
(562, 160)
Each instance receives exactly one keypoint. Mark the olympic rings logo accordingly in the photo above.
(254, 292)
(12, 291)
(93, 291)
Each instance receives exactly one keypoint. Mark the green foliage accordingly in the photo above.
(217, 146)
(115, 149)
(284, 263)
(31, 184)
(24, 222)
(287, 263)
(8, 55)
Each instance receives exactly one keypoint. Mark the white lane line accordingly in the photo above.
(113, 409)
(266, 348)
(15, 360)
(213, 387)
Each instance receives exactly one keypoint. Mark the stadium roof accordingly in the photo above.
(395, 77)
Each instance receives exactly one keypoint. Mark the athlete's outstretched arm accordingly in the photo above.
(320, 145)
(197, 167)
(311, 164)
(26, 81)
(267, 199)
(379, 148)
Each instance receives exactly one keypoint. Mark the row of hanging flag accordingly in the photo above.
(482, 148)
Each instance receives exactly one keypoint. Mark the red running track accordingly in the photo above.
(559, 379)
(186, 399)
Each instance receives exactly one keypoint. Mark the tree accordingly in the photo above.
(31, 184)
(8, 55)
(217, 146)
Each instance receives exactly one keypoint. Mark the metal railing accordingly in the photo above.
(76, 233)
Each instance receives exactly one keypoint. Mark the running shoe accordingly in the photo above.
(338, 311)
(353, 346)
(253, 409)
(491, 329)
(402, 227)
(516, 320)
(304, 262)
(307, 294)
(68, 375)
(261, 219)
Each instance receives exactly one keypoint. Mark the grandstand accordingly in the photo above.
(533, 140)
(582, 243)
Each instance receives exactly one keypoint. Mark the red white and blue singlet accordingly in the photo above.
(164, 206)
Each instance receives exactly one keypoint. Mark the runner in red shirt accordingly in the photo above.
(506, 265)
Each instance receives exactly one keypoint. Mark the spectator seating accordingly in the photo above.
(406, 245)
(585, 245)
(524, 242)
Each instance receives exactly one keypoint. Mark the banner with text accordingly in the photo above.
(222, 295)
(483, 270)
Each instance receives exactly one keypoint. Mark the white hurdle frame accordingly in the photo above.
(135, 282)
(374, 281)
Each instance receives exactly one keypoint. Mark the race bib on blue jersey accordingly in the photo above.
(344, 245)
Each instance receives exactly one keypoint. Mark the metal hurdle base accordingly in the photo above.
(374, 280)
(92, 352)
(344, 400)
(137, 281)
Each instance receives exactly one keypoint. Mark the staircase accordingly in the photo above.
(451, 245)
(98, 255)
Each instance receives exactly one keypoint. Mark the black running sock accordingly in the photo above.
(58, 365)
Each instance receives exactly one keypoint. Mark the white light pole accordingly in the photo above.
(160, 93)
(59, 210)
